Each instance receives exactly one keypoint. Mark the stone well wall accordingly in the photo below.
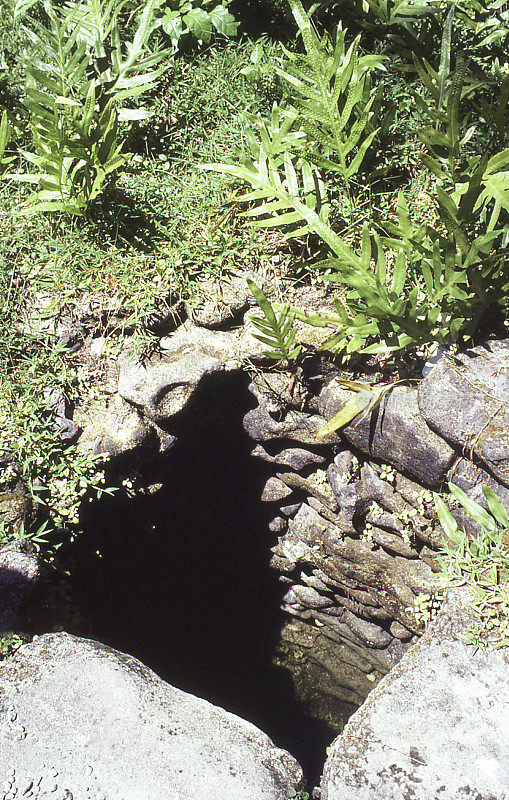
(354, 539)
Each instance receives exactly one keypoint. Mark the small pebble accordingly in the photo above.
(26, 786)
(88, 769)
(6, 785)
(54, 787)
(53, 771)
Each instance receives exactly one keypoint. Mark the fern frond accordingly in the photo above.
(276, 329)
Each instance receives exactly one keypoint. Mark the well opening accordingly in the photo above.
(179, 576)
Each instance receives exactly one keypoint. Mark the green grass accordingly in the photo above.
(480, 562)
(158, 232)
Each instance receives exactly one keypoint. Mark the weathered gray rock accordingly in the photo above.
(168, 313)
(222, 303)
(278, 524)
(395, 433)
(115, 428)
(16, 509)
(66, 428)
(349, 501)
(290, 510)
(302, 597)
(296, 426)
(465, 398)
(220, 314)
(275, 490)
(392, 581)
(329, 677)
(93, 723)
(293, 457)
(435, 727)
(371, 487)
(369, 633)
(343, 461)
(192, 364)
(277, 417)
(19, 578)
(399, 631)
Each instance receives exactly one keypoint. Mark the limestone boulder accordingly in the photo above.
(392, 581)
(465, 398)
(189, 368)
(435, 727)
(79, 720)
(293, 426)
(396, 433)
(116, 429)
(293, 457)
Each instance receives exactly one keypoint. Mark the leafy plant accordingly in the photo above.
(75, 98)
(9, 643)
(37, 536)
(200, 18)
(330, 96)
(275, 329)
(409, 285)
(365, 400)
(481, 562)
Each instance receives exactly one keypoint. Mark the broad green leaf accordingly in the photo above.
(199, 23)
(445, 55)
(497, 187)
(5, 134)
(476, 511)
(349, 411)
(133, 114)
(496, 507)
(445, 517)
(399, 274)
(223, 21)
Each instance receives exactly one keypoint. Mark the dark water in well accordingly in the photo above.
(184, 584)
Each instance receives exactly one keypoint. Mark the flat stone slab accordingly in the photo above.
(435, 728)
(82, 722)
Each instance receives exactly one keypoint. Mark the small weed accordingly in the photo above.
(38, 537)
(480, 562)
(426, 607)
(9, 643)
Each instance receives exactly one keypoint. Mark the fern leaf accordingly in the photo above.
(276, 331)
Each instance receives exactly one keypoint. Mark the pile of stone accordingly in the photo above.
(358, 536)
